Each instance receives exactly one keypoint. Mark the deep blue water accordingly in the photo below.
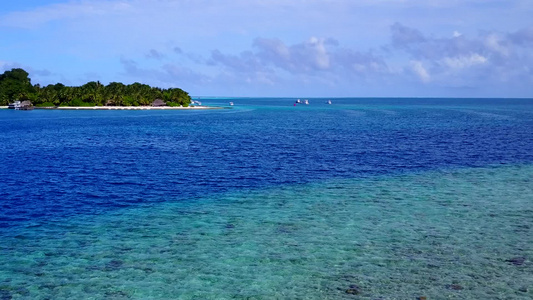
(56, 164)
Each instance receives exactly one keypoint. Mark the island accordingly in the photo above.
(16, 90)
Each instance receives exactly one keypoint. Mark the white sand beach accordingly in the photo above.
(129, 107)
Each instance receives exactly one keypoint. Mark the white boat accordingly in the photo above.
(14, 105)
(21, 105)
(328, 102)
(231, 103)
(298, 101)
(306, 101)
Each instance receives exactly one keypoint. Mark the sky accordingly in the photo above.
(277, 48)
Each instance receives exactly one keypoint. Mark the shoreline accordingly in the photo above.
(125, 107)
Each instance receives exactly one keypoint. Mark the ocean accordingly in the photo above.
(268, 199)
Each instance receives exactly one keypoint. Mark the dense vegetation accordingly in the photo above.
(16, 85)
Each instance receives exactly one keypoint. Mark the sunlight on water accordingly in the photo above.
(458, 234)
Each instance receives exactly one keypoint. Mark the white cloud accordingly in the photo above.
(266, 42)
(494, 43)
(314, 57)
(3, 65)
(490, 58)
(321, 57)
(418, 68)
(64, 11)
(464, 61)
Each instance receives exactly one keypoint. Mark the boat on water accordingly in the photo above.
(231, 103)
(14, 105)
(328, 102)
(306, 102)
(21, 105)
(298, 101)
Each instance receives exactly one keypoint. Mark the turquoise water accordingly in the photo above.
(441, 235)
(270, 201)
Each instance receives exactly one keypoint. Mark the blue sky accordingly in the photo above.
(298, 48)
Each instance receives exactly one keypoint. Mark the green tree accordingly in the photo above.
(15, 85)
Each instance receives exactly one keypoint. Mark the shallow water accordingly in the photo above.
(448, 234)
(269, 201)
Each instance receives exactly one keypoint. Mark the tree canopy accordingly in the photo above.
(16, 85)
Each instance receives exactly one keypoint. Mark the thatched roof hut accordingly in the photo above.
(159, 102)
(26, 105)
